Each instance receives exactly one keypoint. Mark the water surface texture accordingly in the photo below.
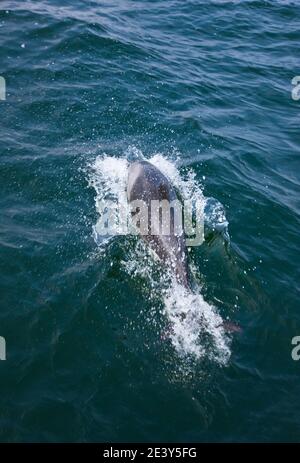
(97, 348)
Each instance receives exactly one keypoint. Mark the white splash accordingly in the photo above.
(108, 176)
(195, 327)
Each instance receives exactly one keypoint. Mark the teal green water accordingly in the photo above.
(208, 86)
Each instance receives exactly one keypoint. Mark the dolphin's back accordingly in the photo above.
(147, 183)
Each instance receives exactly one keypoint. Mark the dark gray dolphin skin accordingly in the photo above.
(147, 183)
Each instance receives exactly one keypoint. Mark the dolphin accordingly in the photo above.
(147, 183)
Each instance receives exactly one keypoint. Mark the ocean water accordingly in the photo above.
(97, 348)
